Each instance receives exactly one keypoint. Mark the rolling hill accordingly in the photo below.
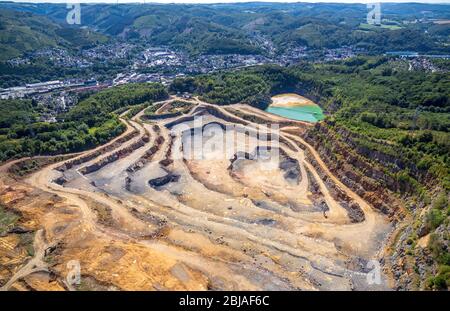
(226, 28)
(22, 32)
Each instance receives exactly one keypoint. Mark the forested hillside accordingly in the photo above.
(22, 32)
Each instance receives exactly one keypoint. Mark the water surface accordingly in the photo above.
(295, 107)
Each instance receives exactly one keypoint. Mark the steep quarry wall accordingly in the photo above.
(363, 173)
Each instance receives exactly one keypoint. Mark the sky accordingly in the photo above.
(224, 1)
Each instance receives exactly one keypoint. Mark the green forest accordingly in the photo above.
(90, 123)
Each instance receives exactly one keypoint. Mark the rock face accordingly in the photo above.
(60, 180)
(114, 157)
(412, 259)
(161, 181)
(358, 170)
(291, 169)
(417, 261)
(354, 211)
(167, 158)
(69, 164)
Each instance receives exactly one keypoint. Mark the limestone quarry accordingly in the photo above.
(171, 204)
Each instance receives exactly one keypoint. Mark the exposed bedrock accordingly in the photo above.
(364, 177)
(252, 117)
(161, 116)
(291, 168)
(214, 111)
(162, 181)
(167, 157)
(354, 211)
(263, 216)
(316, 193)
(147, 156)
(92, 155)
(179, 120)
(60, 180)
(114, 157)
(263, 135)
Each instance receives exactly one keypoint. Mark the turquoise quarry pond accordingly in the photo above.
(295, 107)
